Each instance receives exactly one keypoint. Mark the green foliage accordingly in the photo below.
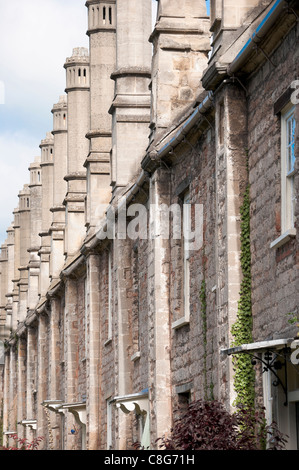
(242, 328)
(293, 320)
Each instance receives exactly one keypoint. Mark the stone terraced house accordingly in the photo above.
(154, 251)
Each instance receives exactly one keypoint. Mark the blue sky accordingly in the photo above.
(36, 36)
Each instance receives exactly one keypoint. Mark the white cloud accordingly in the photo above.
(36, 37)
(17, 151)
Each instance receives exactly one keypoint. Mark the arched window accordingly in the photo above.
(104, 15)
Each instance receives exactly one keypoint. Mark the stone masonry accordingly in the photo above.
(112, 320)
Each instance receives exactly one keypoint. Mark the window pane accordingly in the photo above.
(291, 125)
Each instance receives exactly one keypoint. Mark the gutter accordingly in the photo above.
(144, 175)
(272, 15)
(76, 263)
(183, 131)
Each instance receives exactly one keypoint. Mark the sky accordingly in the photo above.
(36, 36)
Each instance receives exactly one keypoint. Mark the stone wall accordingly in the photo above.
(194, 345)
(274, 273)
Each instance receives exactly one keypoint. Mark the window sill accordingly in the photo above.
(179, 323)
(108, 341)
(284, 238)
(135, 356)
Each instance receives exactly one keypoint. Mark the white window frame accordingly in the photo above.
(287, 168)
(288, 196)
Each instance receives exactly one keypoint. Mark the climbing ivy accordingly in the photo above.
(242, 329)
(294, 319)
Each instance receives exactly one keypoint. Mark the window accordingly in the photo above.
(183, 397)
(109, 422)
(109, 295)
(288, 125)
(86, 310)
(186, 272)
(288, 195)
(92, 17)
(221, 124)
(186, 232)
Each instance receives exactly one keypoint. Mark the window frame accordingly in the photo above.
(186, 228)
(287, 203)
(287, 174)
